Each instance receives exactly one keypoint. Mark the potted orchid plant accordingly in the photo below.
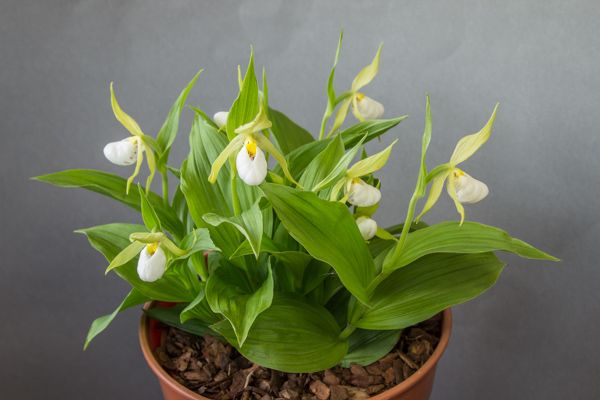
(268, 248)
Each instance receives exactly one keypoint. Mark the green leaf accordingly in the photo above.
(366, 347)
(289, 135)
(328, 232)
(340, 169)
(249, 223)
(291, 336)
(178, 284)
(229, 292)
(132, 299)
(471, 237)
(202, 197)
(245, 107)
(149, 215)
(372, 129)
(114, 186)
(170, 316)
(197, 241)
(427, 286)
(322, 165)
(168, 131)
(199, 309)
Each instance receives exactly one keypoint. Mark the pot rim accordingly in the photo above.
(402, 387)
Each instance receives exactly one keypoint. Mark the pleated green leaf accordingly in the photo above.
(427, 286)
(229, 292)
(132, 299)
(113, 186)
(289, 134)
(291, 336)
(328, 232)
(471, 237)
(366, 347)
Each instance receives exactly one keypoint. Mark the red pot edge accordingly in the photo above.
(403, 387)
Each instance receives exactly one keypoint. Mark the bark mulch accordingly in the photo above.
(217, 371)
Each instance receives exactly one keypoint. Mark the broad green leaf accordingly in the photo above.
(340, 169)
(232, 148)
(199, 309)
(171, 316)
(132, 299)
(149, 215)
(366, 347)
(202, 197)
(468, 145)
(429, 285)
(471, 237)
(249, 223)
(126, 255)
(371, 164)
(322, 164)
(368, 130)
(368, 73)
(245, 107)
(328, 232)
(291, 336)
(178, 284)
(229, 292)
(113, 186)
(289, 135)
(197, 241)
(167, 133)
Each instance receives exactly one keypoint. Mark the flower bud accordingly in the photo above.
(152, 263)
(220, 118)
(468, 189)
(123, 152)
(251, 164)
(367, 227)
(361, 194)
(368, 108)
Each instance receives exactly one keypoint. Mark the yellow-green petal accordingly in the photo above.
(340, 116)
(270, 148)
(138, 165)
(371, 164)
(366, 75)
(126, 120)
(151, 161)
(434, 193)
(468, 145)
(452, 192)
(235, 145)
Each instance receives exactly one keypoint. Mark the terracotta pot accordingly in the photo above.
(416, 387)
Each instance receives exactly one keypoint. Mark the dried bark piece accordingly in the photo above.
(320, 390)
(330, 378)
(338, 393)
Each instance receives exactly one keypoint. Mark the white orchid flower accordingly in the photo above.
(367, 227)
(129, 150)
(468, 189)
(220, 118)
(361, 194)
(152, 263)
(357, 191)
(251, 163)
(363, 107)
(249, 143)
(461, 187)
(124, 152)
(367, 107)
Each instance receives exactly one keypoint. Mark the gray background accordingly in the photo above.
(533, 336)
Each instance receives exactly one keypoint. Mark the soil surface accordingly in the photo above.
(217, 371)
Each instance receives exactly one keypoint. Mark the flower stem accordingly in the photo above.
(234, 193)
(165, 187)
